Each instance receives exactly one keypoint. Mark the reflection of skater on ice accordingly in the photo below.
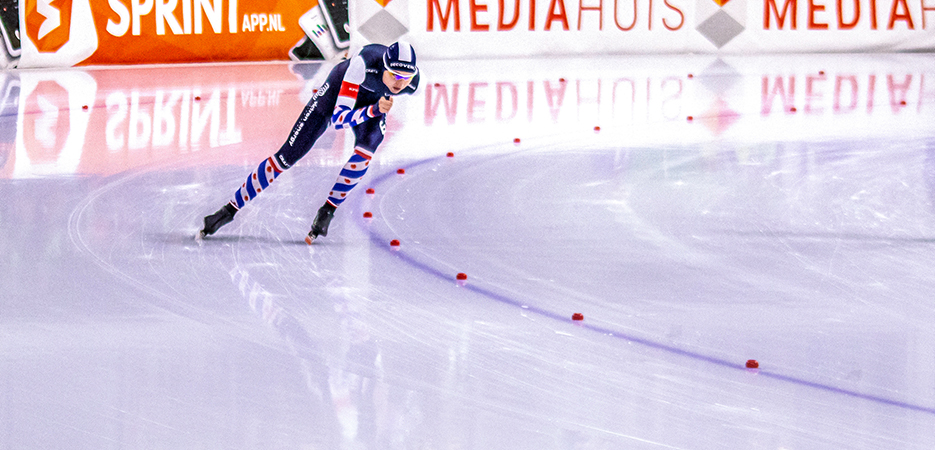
(343, 396)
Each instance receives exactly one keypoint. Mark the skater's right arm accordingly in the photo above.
(344, 114)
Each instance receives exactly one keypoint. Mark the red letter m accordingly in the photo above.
(433, 6)
(769, 5)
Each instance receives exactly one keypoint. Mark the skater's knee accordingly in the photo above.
(285, 157)
(301, 140)
(369, 142)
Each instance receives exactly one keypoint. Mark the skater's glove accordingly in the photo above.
(385, 104)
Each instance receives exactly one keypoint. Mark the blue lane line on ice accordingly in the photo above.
(382, 242)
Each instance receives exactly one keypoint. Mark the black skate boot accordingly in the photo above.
(217, 220)
(320, 225)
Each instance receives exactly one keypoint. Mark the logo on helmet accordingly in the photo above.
(402, 67)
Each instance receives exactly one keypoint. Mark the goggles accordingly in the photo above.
(402, 76)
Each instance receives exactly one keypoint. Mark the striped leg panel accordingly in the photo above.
(350, 175)
(265, 174)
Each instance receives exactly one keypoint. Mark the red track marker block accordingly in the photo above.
(753, 364)
(577, 316)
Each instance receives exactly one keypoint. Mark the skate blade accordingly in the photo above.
(200, 236)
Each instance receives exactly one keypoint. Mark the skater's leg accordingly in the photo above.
(351, 173)
(308, 128)
(368, 136)
(267, 172)
(306, 131)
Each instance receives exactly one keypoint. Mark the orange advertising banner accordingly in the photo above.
(173, 31)
(65, 33)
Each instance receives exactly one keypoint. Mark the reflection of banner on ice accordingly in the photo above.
(9, 116)
(148, 115)
(59, 33)
(50, 139)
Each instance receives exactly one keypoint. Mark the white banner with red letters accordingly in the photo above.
(510, 28)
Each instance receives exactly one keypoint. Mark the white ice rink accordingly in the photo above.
(774, 208)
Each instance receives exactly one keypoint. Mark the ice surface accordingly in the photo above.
(802, 239)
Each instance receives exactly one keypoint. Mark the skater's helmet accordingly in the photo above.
(400, 59)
